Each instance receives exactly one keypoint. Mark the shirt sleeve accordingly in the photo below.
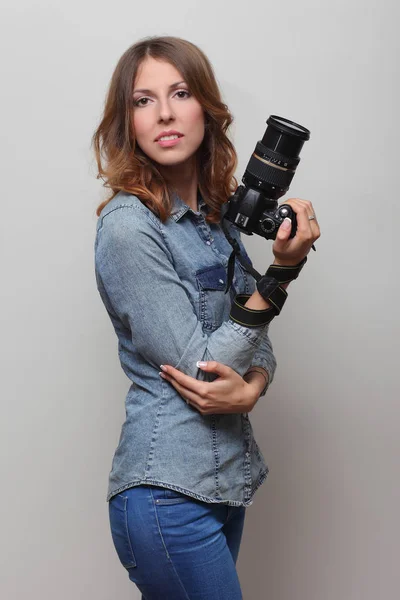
(264, 355)
(135, 269)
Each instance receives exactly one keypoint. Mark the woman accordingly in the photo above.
(187, 464)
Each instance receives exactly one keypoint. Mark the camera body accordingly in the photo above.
(251, 212)
(254, 206)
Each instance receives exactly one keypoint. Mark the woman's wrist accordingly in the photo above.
(256, 301)
(257, 380)
(284, 263)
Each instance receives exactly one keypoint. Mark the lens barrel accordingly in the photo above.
(273, 164)
(284, 137)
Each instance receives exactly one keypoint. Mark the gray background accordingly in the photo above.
(325, 525)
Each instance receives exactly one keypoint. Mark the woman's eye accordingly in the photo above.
(141, 102)
(185, 93)
(144, 101)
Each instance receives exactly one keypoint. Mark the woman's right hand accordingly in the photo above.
(291, 251)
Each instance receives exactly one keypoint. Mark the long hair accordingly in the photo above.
(122, 165)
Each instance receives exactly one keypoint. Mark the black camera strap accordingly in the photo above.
(268, 285)
(283, 274)
(236, 253)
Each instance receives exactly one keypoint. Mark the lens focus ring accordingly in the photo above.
(268, 173)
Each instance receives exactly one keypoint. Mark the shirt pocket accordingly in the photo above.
(214, 303)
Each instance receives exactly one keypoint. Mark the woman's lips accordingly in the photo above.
(168, 143)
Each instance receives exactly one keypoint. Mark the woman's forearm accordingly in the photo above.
(257, 382)
(257, 302)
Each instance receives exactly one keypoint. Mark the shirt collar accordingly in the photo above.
(179, 208)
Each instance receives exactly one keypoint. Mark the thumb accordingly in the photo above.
(212, 366)
(284, 230)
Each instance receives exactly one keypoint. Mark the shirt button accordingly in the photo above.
(247, 454)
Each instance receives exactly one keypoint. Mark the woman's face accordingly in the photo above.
(164, 105)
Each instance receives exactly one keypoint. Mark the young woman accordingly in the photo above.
(187, 464)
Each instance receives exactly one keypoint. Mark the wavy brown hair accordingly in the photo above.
(122, 165)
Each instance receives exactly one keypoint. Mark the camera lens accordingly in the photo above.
(284, 137)
(273, 164)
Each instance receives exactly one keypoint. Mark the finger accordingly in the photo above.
(316, 232)
(298, 202)
(313, 222)
(194, 399)
(303, 222)
(284, 230)
(184, 380)
(212, 366)
(305, 228)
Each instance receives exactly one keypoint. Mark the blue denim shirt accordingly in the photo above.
(163, 287)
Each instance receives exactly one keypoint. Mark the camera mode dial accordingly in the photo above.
(267, 225)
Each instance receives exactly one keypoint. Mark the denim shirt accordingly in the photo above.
(163, 286)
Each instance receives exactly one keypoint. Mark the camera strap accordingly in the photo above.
(268, 286)
(283, 274)
(236, 253)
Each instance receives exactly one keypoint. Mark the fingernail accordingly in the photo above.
(287, 223)
(201, 364)
(163, 367)
(161, 374)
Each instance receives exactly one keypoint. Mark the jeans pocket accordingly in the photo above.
(120, 531)
(165, 496)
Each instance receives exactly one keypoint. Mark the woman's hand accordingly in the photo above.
(291, 251)
(229, 393)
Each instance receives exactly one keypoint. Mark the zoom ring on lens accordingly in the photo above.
(268, 173)
(265, 153)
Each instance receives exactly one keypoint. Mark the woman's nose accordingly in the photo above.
(165, 111)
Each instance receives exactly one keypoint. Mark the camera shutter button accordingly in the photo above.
(284, 212)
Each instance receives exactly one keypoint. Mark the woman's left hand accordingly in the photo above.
(229, 393)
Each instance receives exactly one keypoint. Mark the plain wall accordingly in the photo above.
(325, 525)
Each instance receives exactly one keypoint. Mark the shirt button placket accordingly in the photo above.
(205, 231)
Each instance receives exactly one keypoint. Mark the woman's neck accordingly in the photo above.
(183, 179)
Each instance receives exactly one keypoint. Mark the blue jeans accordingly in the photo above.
(175, 547)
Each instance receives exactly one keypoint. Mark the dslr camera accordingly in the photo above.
(254, 208)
